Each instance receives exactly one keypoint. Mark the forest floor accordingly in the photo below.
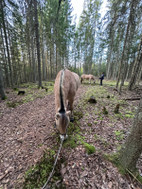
(29, 142)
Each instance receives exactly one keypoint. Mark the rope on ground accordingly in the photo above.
(51, 174)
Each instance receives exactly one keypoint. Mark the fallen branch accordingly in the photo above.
(137, 98)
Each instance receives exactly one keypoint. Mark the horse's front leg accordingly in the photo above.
(71, 109)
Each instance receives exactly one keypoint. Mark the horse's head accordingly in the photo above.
(62, 121)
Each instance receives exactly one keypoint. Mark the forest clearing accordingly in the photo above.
(29, 141)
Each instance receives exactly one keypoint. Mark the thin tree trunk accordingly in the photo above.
(33, 72)
(139, 75)
(37, 44)
(24, 70)
(6, 41)
(56, 58)
(124, 75)
(137, 66)
(32, 36)
(124, 46)
(5, 61)
(50, 65)
(2, 93)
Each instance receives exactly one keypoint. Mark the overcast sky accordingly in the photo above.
(78, 8)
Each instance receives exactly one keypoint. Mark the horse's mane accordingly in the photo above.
(62, 108)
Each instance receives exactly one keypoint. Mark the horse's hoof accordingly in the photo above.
(72, 119)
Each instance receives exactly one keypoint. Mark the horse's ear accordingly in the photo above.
(57, 116)
(68, 113)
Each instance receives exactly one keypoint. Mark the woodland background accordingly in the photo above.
(38, 38)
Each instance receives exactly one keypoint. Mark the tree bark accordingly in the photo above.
(137, 66)
(124, 47)
(132, 148)
(5, 61)
(37, 44)
(2, 93)
(6, 41)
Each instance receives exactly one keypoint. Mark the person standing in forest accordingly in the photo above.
(101, 79)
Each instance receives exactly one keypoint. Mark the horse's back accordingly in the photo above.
(70, 83)
(77, 79)
(85, 76)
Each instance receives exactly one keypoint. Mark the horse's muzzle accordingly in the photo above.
(63, 137)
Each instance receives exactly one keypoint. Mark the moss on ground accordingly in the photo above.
(31, 93)
(13, 104)
(90, 149)
(37, 176)
(119, 134)
(114, 158)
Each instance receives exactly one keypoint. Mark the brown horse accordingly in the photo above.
(66, 85)
(87, 77)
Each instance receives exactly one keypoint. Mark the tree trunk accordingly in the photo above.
(6, 41)
(139, 76)
(137, 66)
(5, 61)
(50, 63)
(2, 93)
(124, 47)
(56, 59)
(124, 75)
(132, 148)
(37, 44)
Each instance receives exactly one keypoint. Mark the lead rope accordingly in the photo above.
(51, 174)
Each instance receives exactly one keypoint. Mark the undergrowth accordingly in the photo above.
(31, 93)
(37, 176)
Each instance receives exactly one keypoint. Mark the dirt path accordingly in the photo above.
(25, 131)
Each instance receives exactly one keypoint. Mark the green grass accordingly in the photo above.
(31, 93)
(119, 134)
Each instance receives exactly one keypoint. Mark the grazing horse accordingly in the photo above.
(65, 87)
(87, 77)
